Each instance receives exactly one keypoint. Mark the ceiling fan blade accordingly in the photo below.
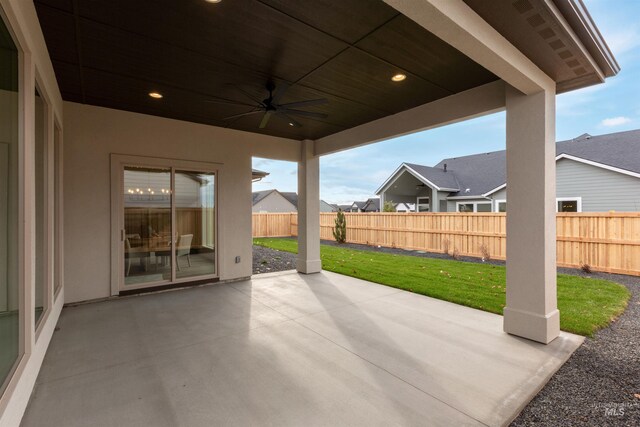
(292, 122)
(282, 89)
(235, 116)
(248, 95)
(308, 103)
(227, 102)
(265, 119)
(304, 113)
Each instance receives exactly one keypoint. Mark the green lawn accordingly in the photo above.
(585, 304)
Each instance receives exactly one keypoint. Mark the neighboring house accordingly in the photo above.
(357, 206)
(344, 208)
(372, 205)
(327, 207)
(281, 201)
(593, 174)
(273, 201)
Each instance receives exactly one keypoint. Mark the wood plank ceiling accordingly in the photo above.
(112, 53)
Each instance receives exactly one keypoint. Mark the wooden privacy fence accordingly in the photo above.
(607, 242)
(274, 224)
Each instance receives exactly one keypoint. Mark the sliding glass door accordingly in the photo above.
(147, 225)
(195, 224)
(168, 226)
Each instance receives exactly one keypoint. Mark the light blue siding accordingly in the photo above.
(601, 190)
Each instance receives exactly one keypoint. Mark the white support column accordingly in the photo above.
(309, 210)
(531, 310)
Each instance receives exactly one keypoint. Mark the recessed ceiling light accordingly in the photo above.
(291, 124)
(213, 1)
(155, 95)
(398, 77)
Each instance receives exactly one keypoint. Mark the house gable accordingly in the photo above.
(274, 202)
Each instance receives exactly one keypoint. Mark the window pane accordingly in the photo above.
(147, 225)
(568, 206)
(9, 286)
(483, 207)
(195, 224)
(502, 207)
(466, 207)
(423, 204)
(41, 213)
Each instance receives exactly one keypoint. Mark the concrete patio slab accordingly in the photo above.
(287, 349)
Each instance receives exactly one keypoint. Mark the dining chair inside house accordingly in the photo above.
(129, 254)
(184, 248)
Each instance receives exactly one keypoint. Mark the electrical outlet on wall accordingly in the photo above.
(237, 260)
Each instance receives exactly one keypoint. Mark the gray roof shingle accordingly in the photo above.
(291, 197)
(256, 196)
(436, 175)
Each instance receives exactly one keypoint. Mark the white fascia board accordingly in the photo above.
(498, 188)
(389, 180)
(467, 197)
(578, 15)
(596, 164)
(562, 22)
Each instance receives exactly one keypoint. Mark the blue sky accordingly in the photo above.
(610, 107)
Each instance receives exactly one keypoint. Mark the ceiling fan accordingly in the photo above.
(271, 106)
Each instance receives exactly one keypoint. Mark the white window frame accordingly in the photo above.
(475, 206)
(578, 200)
(428, 203)
(48, 194)
(497, 204)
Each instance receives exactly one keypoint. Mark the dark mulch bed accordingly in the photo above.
(598, 386)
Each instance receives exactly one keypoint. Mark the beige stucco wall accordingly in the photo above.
(93, 133)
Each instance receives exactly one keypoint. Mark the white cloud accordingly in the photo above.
(615, 121)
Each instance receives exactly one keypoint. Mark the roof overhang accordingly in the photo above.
(213, 61)
(257, 175)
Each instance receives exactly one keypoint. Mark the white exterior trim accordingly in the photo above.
(496, 204)
(498, 188)
(558, 199)
(466, 197)
(596, 164)
(475, 205)
(418, 203)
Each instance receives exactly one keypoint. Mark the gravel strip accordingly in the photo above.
(598, 386)
(267, 260)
